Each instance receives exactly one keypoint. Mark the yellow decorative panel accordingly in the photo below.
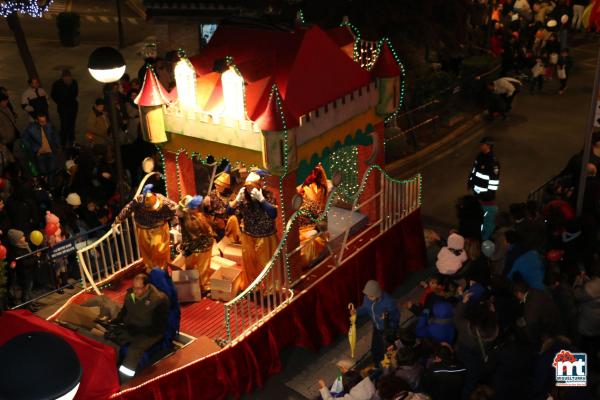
(153, 125)
(339, 133)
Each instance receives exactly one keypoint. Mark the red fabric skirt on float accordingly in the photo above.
(318, 316)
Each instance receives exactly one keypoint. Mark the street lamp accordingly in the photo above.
(107, 65)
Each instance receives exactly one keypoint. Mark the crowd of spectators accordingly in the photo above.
(494, 313)
(51, 167)
(532, 39)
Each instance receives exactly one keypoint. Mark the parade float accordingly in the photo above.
(307, 109)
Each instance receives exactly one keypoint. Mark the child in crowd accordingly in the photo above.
(537, 76)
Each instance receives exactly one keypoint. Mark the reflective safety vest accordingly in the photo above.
(484, 178)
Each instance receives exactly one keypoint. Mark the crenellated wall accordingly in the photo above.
(327, 117)
(214, 128)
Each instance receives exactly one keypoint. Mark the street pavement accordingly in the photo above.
(533, 144)
(98, 28)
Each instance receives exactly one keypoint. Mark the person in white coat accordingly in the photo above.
(506, 87)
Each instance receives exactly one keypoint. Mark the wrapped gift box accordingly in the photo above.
(215, 250)
(225, 283)
(187, 285)
(175, 236)
(232, 252)
(217, 262)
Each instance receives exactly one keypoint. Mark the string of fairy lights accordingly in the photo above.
(29, 7)
(380, 44)
(345, 161)
(366, 53)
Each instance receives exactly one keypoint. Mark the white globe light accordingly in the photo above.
(106, 65)
(107, 75)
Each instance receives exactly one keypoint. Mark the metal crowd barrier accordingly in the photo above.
(62, 250)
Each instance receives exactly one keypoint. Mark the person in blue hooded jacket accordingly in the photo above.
(439, 325)
(531, 268)
(383, 311)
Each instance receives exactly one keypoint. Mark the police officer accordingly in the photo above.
(484, 181)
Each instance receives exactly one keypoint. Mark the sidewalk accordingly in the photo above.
(50, 59)
(302, 368)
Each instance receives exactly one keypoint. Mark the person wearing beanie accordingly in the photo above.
(197, 240)
(54, 236)
(152, 213)
(73, 200)
(216, 207)
(24, 267)
(381, 308)
(451, 258)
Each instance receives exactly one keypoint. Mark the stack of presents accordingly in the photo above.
(225, 279)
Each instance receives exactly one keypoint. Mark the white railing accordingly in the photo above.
(272, 289)
(116, 250)
(396, 199)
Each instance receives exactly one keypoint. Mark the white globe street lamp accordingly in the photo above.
(106, 65)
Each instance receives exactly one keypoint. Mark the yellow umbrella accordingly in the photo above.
(352, 330)
(585, 17)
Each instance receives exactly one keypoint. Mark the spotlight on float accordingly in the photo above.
(106, 65)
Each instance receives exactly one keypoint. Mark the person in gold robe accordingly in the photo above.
(258, 211)
(151, 213)
(197, 240)
(216, 207)
(314, 191)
